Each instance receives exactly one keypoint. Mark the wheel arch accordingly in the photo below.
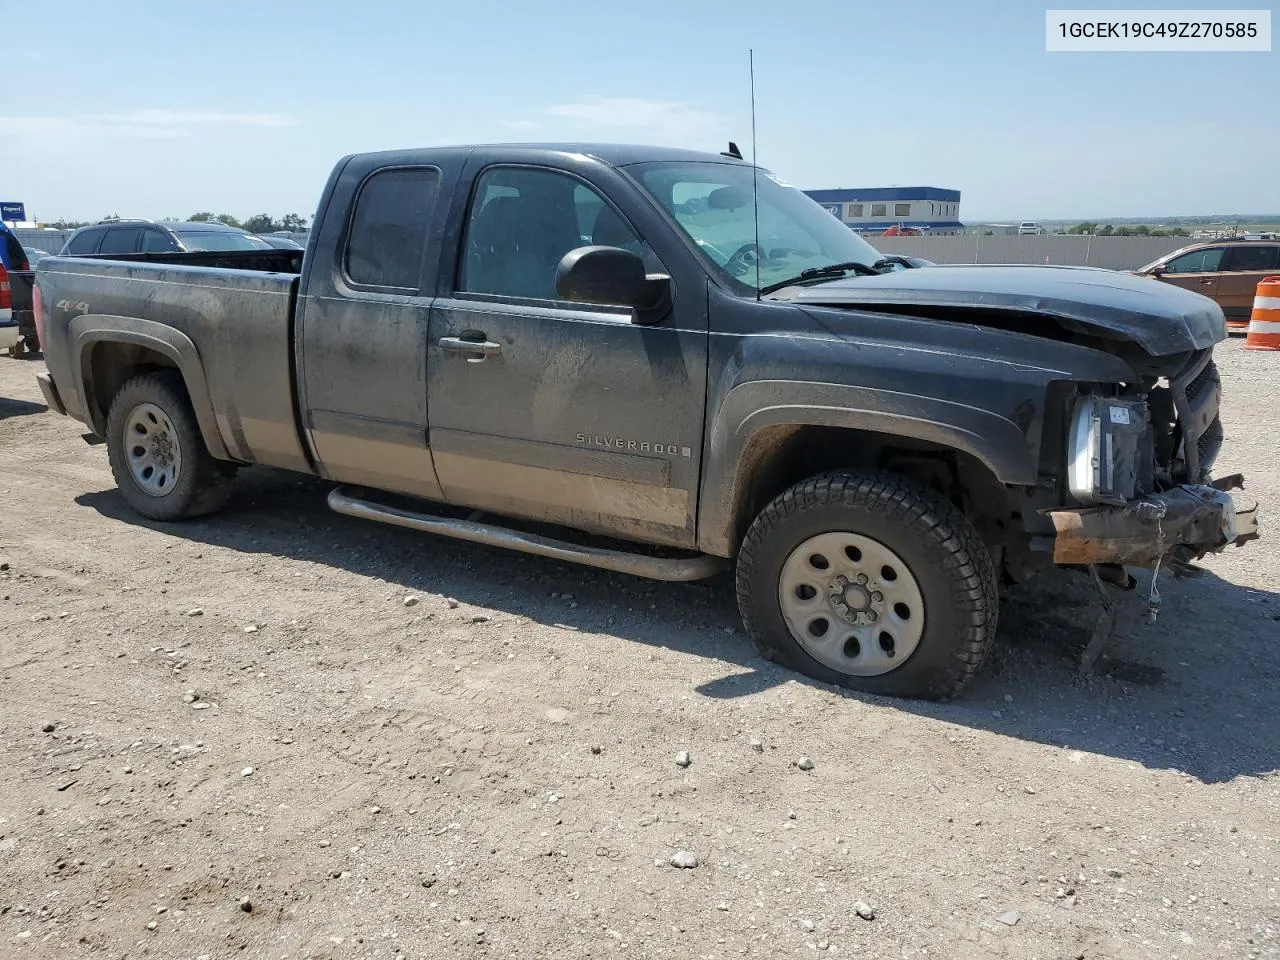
(757, 450)
(107, 351)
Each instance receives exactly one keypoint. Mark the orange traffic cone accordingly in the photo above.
(1264, 322)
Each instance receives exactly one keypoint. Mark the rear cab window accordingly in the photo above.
(387, 235)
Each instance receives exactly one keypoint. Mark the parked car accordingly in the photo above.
(280, 243)
(35, 255)
(164, 236)
(17, 321)
(1029, 228)
(1225, 271)
(10, 335)
(871, 451)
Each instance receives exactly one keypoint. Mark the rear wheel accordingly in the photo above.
(869, 581)
(158, 458)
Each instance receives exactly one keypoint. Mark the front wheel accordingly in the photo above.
(158, 458)
(869, 581)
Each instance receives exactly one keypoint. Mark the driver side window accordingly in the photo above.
(1198, 261)
(522, 222)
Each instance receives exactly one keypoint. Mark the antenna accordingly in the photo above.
(755, 169)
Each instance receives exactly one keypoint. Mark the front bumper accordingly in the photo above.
(1187, 521)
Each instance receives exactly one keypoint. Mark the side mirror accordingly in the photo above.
(1158, 271)
(613, 277)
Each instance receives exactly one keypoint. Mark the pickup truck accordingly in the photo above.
(669, 363)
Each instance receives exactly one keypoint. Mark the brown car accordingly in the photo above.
(1226, 271)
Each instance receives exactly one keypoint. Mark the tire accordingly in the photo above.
(934, 622)
(150, 409)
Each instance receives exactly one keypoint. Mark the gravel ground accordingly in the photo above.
(282, 733)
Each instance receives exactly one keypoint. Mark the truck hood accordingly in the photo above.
(1159, 317)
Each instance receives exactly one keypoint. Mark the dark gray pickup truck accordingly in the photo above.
(616, 356)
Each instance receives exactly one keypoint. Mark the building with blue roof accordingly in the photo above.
(873, 210)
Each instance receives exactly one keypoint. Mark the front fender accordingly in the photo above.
(89, 329)
(995, 441)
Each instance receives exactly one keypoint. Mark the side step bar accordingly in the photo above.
(345, 502)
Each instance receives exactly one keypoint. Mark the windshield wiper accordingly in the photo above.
(816, 273)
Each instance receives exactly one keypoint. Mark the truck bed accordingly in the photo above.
(230, 313)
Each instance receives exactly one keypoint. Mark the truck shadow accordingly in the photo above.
(19, 408)
(1196, 692)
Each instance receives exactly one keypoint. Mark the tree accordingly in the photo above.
(204, 216)
(293, 223)
(228, 219)
(261, 223)
(1086, 227)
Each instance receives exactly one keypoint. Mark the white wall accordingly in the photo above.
(1114, 253)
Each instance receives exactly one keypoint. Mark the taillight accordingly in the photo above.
(6, 295)
(37, 307)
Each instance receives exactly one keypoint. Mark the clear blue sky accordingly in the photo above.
(162, 108)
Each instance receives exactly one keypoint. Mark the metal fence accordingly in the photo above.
(1114, 253)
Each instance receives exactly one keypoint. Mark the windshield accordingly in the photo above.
(217, 241)
(712, 204)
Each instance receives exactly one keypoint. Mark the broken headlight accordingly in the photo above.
(1108, 449)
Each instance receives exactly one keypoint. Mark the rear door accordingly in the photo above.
(363, 323)
(564, 412)
(1197, 270)
(1243, 267)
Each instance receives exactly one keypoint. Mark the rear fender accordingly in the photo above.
(90, 329)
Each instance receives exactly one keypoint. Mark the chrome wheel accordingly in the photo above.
(152, 448)
(851, 603)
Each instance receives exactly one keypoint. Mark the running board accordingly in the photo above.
(654, 568)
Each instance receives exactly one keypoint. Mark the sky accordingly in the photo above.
(159, 109)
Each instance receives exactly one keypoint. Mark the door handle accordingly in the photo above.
(1206, 280)
(477, 350)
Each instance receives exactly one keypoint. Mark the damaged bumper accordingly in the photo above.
(1189, 521)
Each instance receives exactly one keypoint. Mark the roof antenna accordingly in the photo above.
(755, 169)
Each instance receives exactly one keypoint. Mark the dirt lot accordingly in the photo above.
(491, 770)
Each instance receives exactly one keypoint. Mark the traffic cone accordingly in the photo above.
(1264, 322)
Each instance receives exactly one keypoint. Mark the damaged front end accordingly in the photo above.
(1188, 522)
(1138, 466)
(1138, 463)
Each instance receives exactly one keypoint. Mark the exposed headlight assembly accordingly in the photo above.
(1105, 449)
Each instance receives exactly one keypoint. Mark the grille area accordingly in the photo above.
(1200, 420)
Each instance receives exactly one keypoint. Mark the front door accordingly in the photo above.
(550, 410)
(1243, 268)
(1196, 271)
